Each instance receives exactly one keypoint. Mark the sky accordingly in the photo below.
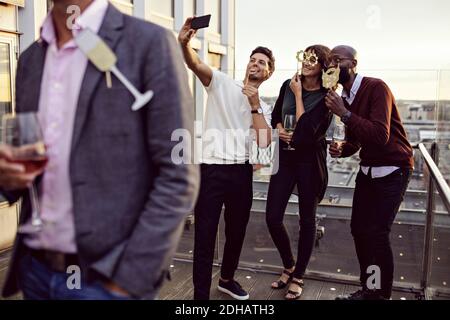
(405, 43)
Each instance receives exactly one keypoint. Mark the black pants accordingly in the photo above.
(375, 204)
(231, 185)
(280, 189)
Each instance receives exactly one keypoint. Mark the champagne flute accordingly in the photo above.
(101, 56)
(290, 121)
(23, 134)
(338, 138)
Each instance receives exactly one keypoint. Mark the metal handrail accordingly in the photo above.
(438, 178)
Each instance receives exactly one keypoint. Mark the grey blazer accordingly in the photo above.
(129, 198)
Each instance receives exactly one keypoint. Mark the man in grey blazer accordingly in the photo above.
(126, 200)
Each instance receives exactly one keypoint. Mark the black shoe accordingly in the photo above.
(234, 289)
(363, 294)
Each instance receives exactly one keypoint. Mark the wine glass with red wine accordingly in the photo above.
(22, 133)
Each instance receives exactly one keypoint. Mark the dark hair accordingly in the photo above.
(323, 54)
(268, 53)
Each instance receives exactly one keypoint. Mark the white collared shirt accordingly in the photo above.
(62, 79)
(356, 84)
(227, 122)
(377, 172)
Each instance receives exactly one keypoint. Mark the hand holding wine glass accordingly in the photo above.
(290, 123)
(338, 140)
(23, 148)
(13, 176)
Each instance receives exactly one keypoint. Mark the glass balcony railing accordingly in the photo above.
(438, 277)
(420, 234)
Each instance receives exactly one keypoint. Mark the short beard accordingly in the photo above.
(344, 75)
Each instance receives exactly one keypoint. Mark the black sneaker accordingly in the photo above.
(234, 289)
(362, 294)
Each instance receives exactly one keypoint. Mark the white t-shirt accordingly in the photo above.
(227, 122)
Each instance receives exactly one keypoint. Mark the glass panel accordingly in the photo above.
(440, 255)
(334, 251)
(443, 127)
(439, 276)
(5, 79)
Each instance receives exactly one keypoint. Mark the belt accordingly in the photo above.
(56, 261)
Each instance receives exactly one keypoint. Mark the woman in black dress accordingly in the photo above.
(304, 97)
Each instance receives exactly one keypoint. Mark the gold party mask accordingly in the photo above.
(306, 57)
(330, 78)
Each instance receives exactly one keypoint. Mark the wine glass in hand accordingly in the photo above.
(338, 138)
(290, 122)
(23, 134)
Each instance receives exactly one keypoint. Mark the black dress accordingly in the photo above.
(305, 168)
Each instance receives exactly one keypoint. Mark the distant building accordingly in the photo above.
(421, 111)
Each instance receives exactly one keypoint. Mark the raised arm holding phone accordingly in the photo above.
(258, 70)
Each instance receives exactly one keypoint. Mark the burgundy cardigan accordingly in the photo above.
(375, 127)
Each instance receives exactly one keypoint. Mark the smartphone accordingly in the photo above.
(200, 22)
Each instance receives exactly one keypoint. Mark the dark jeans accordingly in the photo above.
(375, 205)
(38, 282)
(232, 186)
(280, 189)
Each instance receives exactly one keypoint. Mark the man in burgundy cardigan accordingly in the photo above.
(372, 119)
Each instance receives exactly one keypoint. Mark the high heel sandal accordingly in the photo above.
(281, 284)
(296, 294)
